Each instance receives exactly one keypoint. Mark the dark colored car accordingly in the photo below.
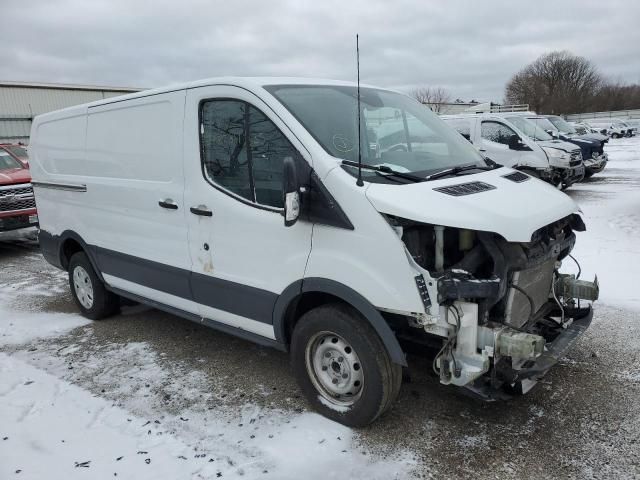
(592, 149)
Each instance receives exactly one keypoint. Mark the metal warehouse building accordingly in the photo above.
(20, 102)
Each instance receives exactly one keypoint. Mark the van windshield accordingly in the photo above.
(561, 125)
(396, 131)
(529, 128)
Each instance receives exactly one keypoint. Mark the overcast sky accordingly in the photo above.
(469, 47)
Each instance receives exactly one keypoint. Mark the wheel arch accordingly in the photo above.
(58, 249)
(303, 295)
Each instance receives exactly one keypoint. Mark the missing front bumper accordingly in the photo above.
(505, 381)
(557, 349)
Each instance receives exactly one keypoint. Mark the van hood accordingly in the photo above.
(513, 210)
(12, 176)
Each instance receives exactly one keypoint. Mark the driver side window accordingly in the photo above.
(243, 151)
(496, 132)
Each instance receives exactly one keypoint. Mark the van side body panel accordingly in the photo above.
(134, 156)
(57, 158)
(116, 160)
(371, 258)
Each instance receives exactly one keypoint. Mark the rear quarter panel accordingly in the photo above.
(56, 147)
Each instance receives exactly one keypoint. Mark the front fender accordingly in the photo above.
(346, 294)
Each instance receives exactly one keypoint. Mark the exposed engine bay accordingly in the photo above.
(505, 311)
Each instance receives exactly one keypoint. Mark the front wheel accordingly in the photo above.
(342, 366)
(91, 296)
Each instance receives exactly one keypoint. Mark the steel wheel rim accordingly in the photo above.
(334, 369)
(83, 287)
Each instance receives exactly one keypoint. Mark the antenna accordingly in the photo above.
(359, 182)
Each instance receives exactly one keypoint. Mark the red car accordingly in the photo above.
(18, 151)
(17, 202)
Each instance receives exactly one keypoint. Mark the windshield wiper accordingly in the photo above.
(456, 170)
(385, 169)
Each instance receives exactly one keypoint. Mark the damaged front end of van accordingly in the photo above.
(506, 311)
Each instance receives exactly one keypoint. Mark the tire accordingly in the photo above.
(89, 293)
(321, 338)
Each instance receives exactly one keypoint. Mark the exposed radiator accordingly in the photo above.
(536, 282)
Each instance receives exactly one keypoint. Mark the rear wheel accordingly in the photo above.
(342, 365)
(91, 296)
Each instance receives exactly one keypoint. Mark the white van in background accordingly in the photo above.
(608, 127)
(238, 203)
(532, 151)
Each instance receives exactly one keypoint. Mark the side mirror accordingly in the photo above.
(515, 143)
(291, 192)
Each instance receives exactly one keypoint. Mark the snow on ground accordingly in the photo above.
(53, 429)
(50, 428)
(20, 328)
(610, 247)
(56, 424)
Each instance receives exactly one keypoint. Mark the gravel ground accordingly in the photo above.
(581, 421)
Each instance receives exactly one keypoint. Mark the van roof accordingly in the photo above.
(245, 82)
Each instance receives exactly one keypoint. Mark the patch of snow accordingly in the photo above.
(333, 406)
(630, 376)
(52, 424)
(19, 327)
(52, 429)
(611, 205)
(473, 441)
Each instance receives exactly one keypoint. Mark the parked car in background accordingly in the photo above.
(18, 151)
(631, 130)
(591, 144)
(608, 127)
(255, 219)
(17, 202)
(537, 153)
(593, 154)
(584, 129)
(566, 130)
(635, 123)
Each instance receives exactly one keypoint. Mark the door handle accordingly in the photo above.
(201, 210)
(168, 203)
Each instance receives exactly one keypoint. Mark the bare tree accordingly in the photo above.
(557, 82)
(617, 96)
(434, 97)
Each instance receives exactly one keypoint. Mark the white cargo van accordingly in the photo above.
(236, 203)
(522, 147)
